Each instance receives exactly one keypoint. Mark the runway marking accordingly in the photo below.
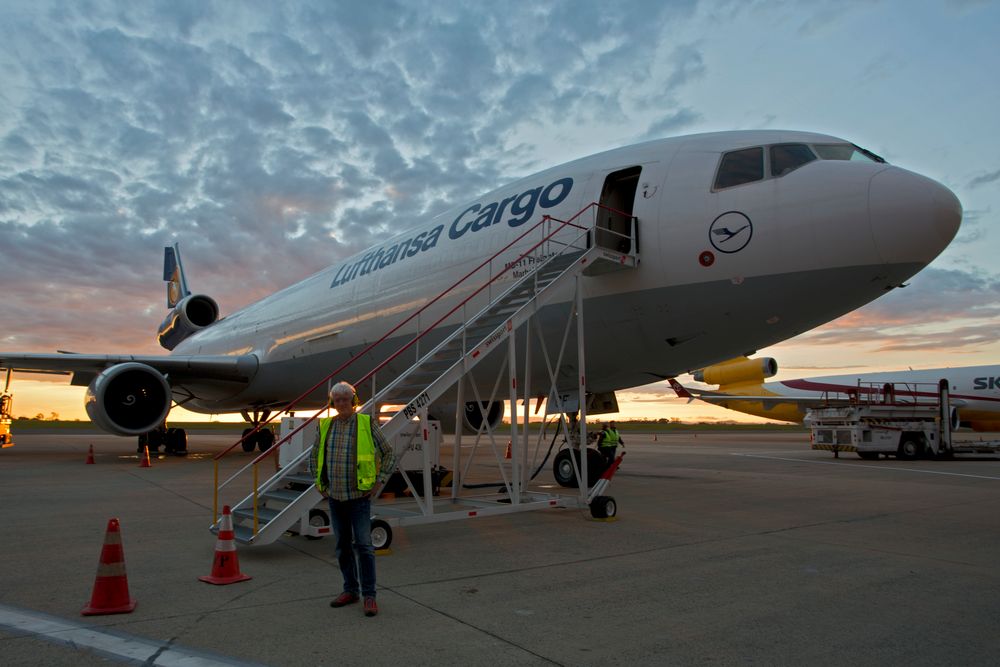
(117, 645)
(862, 465)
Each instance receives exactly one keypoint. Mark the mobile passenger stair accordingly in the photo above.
(542, 266)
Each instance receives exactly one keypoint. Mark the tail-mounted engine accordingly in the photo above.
(192, 313)
(128, 399)
(737, 371)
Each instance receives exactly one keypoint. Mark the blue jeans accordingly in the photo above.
(352, 526)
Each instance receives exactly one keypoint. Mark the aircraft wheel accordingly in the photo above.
(265, 438)
(248, 443)
(868, 456)
(562, 469)
(603, 507)
(596, 465)
(909, 449)
(381, 534)
(176, 441)
(318, 519)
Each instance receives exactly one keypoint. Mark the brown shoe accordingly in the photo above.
(370, 607)
(344, 599)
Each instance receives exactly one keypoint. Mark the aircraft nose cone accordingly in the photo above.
(913, 218)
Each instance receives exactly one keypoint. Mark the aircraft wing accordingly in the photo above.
(178, 368)
(768, 401)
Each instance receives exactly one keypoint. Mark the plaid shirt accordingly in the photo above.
(341, 458)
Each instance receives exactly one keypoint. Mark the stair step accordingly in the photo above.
(284, 495)
(300, 478)
(242, 534)
(264, 514)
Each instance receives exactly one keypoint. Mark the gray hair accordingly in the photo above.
(342, 389)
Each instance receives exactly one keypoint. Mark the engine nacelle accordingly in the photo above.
(736, 371)
(128, 399)
(472, 416)
(192, 313)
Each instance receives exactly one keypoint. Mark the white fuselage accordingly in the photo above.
(824, 239)
(975, 389)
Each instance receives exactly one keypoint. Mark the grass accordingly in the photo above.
(623, 426)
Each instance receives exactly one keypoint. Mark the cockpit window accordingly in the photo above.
(845, 152)
(738, 167)
(788, 157)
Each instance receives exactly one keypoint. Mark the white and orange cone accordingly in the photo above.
(506, 454)
(110, 594)
(226, 566)
(144, 459)
(90, 456)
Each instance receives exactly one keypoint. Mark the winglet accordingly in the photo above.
(679, 389)
(173, 274)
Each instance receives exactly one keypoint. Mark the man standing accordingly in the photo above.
(350, 462)
(607, 443)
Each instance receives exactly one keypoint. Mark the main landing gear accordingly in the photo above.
(262, 439)
(173, 440)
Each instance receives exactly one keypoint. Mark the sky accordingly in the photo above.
(272, 139)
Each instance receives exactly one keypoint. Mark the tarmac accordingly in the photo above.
(728, 548)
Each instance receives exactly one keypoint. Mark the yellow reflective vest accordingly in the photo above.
(611, 438)
(365, 453)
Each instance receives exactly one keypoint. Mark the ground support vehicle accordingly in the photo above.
(879, 420)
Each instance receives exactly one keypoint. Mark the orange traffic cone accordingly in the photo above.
(144, 459)
(654, 437)
(110, 594)
(90, 456)
(226, 566)
(506, 454)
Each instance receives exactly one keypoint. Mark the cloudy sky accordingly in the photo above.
(273, 138)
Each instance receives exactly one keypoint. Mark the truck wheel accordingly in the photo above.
(868, 456)
(317, 519)
(248, 443)
(603, 507)
(909, 449)
(381, 534)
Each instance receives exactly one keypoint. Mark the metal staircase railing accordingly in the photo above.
(255, 517)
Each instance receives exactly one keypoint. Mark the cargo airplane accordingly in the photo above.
(737, 234)
(974, 390)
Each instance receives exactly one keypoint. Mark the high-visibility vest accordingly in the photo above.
(365, 451)
(611, 438)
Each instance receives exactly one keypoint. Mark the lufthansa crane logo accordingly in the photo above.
(730, 232)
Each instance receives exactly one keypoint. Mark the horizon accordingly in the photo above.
(274, 141)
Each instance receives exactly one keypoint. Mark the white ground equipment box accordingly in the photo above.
(907, 421)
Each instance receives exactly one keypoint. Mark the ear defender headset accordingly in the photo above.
(355, 400)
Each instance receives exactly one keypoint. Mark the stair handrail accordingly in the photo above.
(278, 475)
(295, 401)
(420, 334)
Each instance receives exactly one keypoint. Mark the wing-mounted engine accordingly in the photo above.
(737, 371)
(192, 313)
(474, 416)
(128, 399)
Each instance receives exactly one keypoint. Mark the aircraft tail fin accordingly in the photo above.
(679, 389)
(173, 274)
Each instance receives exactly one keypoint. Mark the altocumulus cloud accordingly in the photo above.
(271, 141)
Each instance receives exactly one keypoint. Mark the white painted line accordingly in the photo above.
(862, 465)
(77, 634)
